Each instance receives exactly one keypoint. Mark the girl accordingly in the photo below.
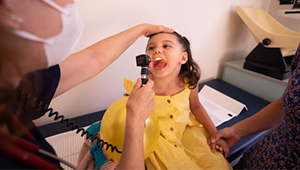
(183, 121)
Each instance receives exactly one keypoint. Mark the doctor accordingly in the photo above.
(39, 34)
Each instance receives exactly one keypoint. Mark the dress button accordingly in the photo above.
(169, 101)
(171, 129)
(171, 116)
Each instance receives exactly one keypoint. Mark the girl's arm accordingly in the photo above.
(200, 113)
(202, 117)
(89, 62)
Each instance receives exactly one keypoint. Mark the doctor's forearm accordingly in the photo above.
(133, 147)
(109, 49)
(89, 62)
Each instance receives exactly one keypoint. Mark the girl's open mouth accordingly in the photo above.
(159, 63)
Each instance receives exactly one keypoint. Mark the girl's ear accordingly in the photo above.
(184, 58)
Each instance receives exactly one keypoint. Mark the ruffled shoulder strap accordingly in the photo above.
(128, 85)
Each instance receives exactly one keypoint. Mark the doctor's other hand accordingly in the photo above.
(152, 29)
(141, 101)
(228, 134)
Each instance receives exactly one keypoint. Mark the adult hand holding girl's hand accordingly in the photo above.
(228, 134)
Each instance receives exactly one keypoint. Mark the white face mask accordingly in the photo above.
(60, 46)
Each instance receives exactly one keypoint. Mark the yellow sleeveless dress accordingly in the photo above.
(183, 140)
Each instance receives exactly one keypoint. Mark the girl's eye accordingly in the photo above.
(166, 46)
(150, 48)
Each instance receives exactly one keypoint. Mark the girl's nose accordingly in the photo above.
(157, 51)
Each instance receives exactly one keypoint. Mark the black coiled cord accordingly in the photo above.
(28, 98)
(39, 106)
(74, 126)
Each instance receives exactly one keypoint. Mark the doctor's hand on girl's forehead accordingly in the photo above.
(62, 2)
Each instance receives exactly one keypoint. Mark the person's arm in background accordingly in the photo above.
(139, 106)
(89, 62)
(267, 118)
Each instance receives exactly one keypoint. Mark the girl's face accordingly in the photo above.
(167, 55)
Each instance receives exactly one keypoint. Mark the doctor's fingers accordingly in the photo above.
(146, 92)
(141, 100)
(147, 98)
(140, 106)
(152, 29)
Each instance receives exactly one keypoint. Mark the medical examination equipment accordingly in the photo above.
(276, 44)
(296, 4)
(290, 13)
(143, 61)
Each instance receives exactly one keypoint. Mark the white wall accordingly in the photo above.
(215, 31)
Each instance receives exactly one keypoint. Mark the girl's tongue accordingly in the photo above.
(159, 63)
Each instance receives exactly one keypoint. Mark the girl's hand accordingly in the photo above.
(222, 147)
(152, 29)
(228, 134)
